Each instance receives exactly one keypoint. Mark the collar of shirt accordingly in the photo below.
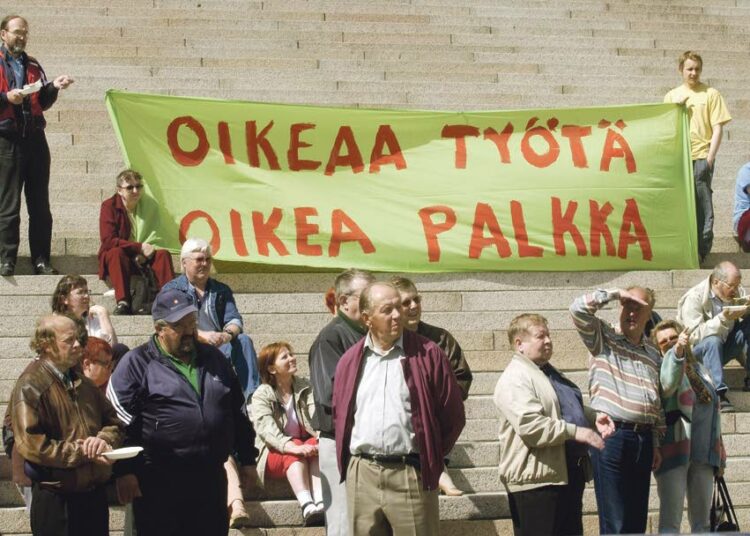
(370, 345)
(64, 377)
(163, 352)
(356, 326)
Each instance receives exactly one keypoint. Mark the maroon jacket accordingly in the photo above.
(114, 231)
(437, 409)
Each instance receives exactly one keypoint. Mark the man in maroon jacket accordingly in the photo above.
(397, 412)
(120, 255)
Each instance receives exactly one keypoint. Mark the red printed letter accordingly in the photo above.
(257, 139)
(574, 133)
(621, 151)
(459, 132)
(540, 160)
(500, 141)
(295, 144)
(183, 157)
(188, 220)
(600, 229)
(485, 217)
(386, 137)
(632, 218)
(304, 230)
(432, 229)
(238, 236)
(353, 157)
(225, 142)
(522, 237)
(340, 220)
(265, 235)
(562, 224)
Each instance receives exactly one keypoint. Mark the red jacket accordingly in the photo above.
(36, 103)
(114, 231)
(437, 409)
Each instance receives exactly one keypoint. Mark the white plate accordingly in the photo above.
(123, 453)
(735, 308)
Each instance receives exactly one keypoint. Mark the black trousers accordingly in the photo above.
(182, 501)
(550, 510)
(25, 165)
(69, 514)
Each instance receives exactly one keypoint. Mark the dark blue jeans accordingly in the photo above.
(715, 354)
(622, 475)
(241, 352)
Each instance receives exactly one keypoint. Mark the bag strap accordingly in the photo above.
(729, 507)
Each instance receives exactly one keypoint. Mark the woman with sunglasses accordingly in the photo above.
(126, 246)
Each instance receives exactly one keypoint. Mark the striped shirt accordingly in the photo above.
(623, 377)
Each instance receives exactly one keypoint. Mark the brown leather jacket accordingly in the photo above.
(48, 419)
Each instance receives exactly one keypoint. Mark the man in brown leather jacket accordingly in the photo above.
(62, 424)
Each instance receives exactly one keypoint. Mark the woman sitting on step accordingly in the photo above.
(72, 297)
(281, 413)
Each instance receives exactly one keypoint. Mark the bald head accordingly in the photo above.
(56, 339)
(725, 281)
(380, 307)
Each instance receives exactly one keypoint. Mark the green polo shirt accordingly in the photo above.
(189, 370)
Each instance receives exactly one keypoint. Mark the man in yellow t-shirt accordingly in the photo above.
(708, 114)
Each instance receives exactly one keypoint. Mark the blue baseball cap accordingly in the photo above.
(172, 305)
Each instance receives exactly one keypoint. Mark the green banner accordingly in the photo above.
(571, 189)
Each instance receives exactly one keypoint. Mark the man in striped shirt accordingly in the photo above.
(624, 384)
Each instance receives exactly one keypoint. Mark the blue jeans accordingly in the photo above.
(241, 353)
(703, 175)
(622, 475)
(714, 353)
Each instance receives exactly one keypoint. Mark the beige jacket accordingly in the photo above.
(269, 418)
(532, 431)
(696, 309)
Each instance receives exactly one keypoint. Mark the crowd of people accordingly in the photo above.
(364, 444)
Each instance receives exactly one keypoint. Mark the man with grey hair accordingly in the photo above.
(715, 310)
(398, 411)
(25, 93)
(219, 321)
(334, 339)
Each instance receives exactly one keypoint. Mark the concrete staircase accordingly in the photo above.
(418, 54)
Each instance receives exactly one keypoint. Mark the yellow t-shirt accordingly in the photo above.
(706, 108)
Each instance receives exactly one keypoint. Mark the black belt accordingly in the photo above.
(637, 427)
(411, 459)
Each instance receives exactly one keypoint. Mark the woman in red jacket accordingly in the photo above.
(120, 254)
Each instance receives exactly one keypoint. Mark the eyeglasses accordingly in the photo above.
(416, 300)
(132, 187)
(736, 286)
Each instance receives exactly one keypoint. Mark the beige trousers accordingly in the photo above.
(388, 499)
(234, 490)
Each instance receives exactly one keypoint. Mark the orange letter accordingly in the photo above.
(500, 141)
(459, 132)
(254, 139)
(562, 224)
(432, 229)
(238, 236)
(187, 158)
(485, 217)
(599, 229)
(225, 143)
(621, 151)
(522, 237)
(265, 235)
(188, 220)
(574, 133)
(353, 157)
(540, 160)
(292, 155)
(386, 136)
(339, 220)
(304, 230)
(632, 217)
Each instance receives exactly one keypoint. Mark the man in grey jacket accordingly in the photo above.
(337, 337)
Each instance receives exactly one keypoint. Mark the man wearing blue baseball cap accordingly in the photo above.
(182, 402)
